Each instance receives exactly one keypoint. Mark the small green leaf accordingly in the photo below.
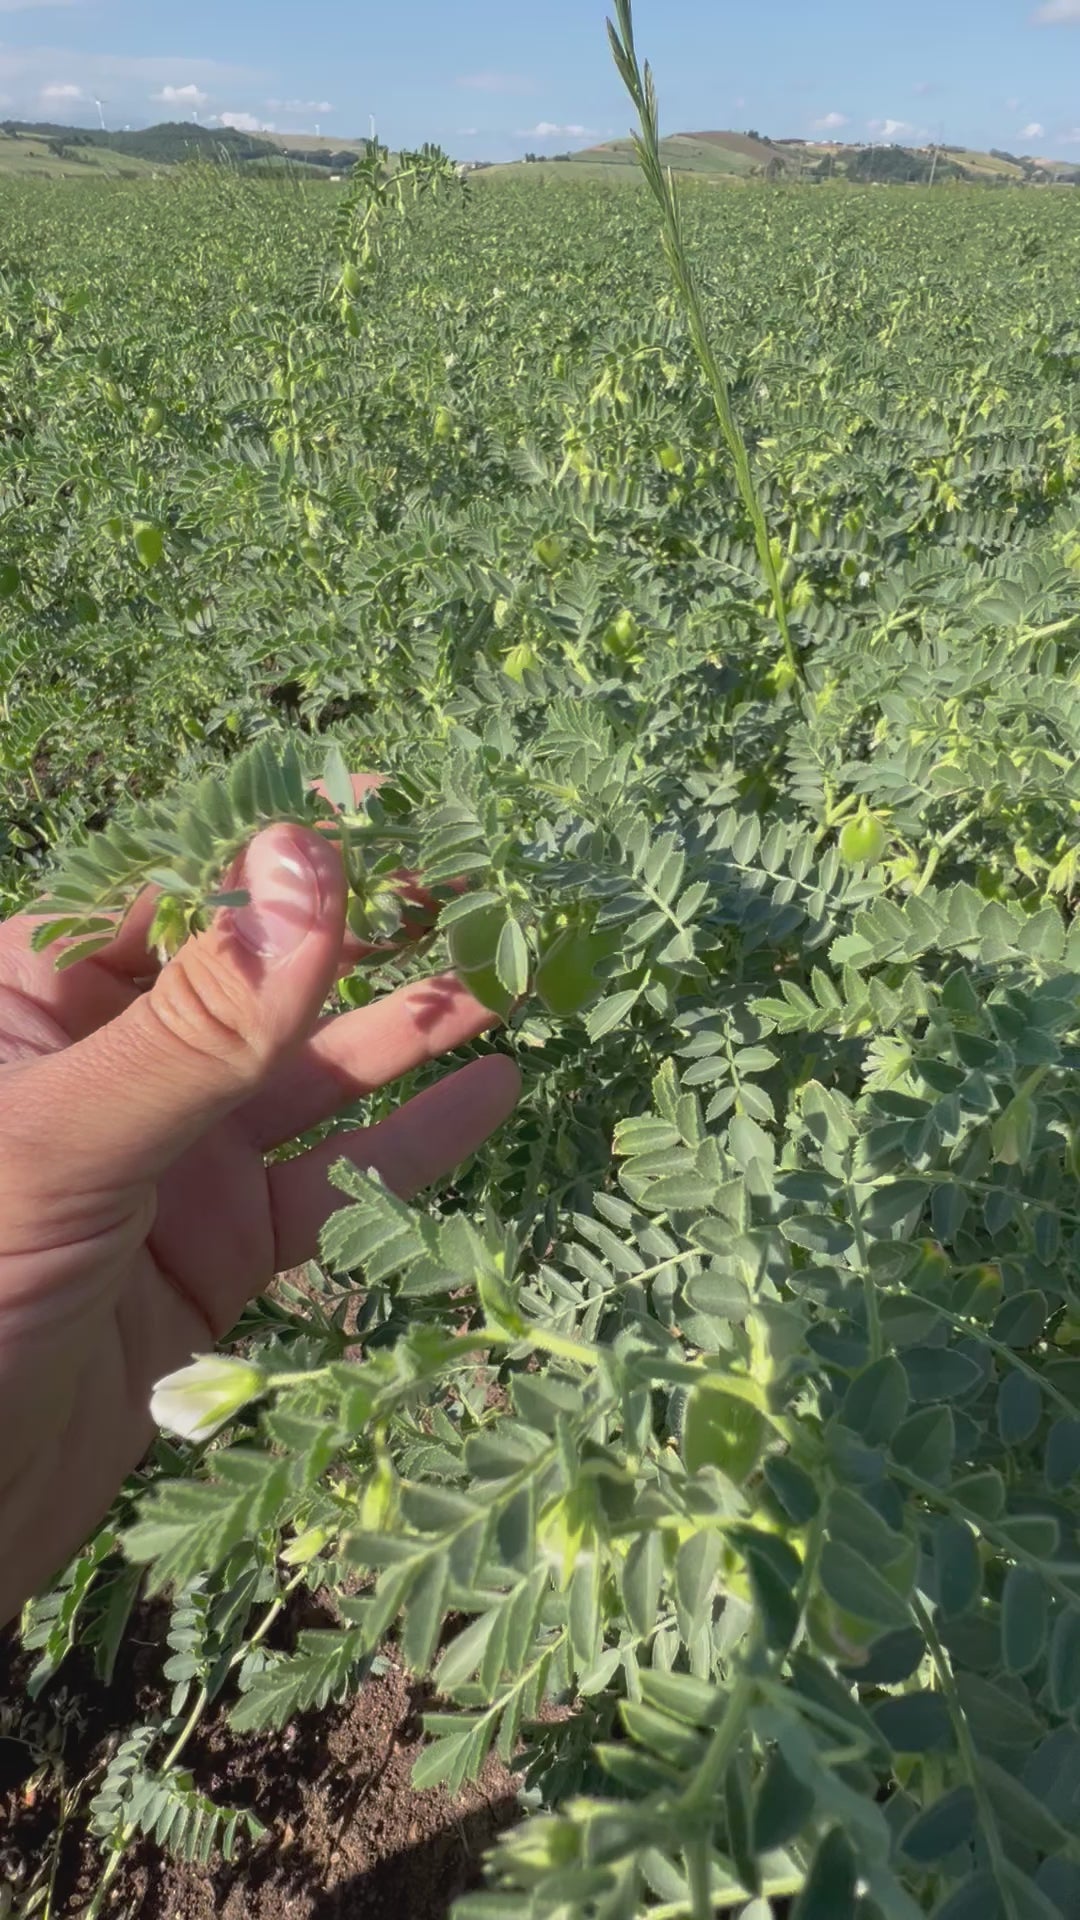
(784, 1805)
(876, 1401)
(696, 1565)
(977, 1898)
(1025, 1608)
(1019, 1409)
(1013, 1132)
(1020, 1321)
(859, 1589)
(915, 1723)
(959, 1571)
(997, 1718)
(775, 1570)
(793, 1488)
(722, 1431)
(942, 1827)
(939, 1373)
(1062, 1458)
(829, 1892)
(641, 1577)
(1064, 1664)
(512, 960)
(925, 1444)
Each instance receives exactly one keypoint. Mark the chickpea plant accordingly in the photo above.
(730, 1400)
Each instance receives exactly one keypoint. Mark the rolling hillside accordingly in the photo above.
(51, 150)
(32, 158)
(725, 155)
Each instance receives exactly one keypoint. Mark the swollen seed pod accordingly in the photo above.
(149, 543)
(863, 841)
(550, 549)
(565, 978)
(352, 279)
(474, 941)
(518, 661)
(622, 634)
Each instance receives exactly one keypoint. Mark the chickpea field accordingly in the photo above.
(713, 1440)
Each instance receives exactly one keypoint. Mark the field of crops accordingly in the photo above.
(745, 1522)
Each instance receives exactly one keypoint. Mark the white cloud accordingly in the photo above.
(547, 129)
(495, 82)
(889, 129)
(1033, 131)
(28, 6)
(1071, 139)
(244, 122)
(1058, 13)
(925, 87)
(124, 79)
(830, 123)
(467, 133)
(300, 106)
(188, 97)
(61, 90)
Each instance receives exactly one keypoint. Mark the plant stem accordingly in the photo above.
(725, 1741)
(698, 1855)
(728, 1897)
(202, 1701)
(639, 86)
(873, 1311)
(968, 1755)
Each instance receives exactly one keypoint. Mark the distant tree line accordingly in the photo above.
(899, 166)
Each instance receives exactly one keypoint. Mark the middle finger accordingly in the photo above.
(352, 1054)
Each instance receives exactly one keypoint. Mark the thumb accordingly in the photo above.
(121, 1105)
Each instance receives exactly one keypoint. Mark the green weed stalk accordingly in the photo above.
(639, 85)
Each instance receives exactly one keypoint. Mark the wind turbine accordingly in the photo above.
(101, 106)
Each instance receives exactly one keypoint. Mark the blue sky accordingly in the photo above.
(493, 78)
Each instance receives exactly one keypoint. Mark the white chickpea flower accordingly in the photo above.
(196, 1400)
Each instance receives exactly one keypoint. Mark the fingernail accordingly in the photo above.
(286, 897)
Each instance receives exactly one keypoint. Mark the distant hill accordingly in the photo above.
(46, 147)
(31, 157)
(316, 149)
(719, 154)
(173, 142)
(165, 145)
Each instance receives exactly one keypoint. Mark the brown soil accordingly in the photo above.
(348, 1837)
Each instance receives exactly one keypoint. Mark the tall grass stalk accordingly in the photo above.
(642, 91)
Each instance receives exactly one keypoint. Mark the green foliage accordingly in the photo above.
(166, 1806)
(729, 1400)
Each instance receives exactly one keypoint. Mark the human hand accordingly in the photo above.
(137, 1211)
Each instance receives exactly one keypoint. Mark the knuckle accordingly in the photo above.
(206, 1010)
